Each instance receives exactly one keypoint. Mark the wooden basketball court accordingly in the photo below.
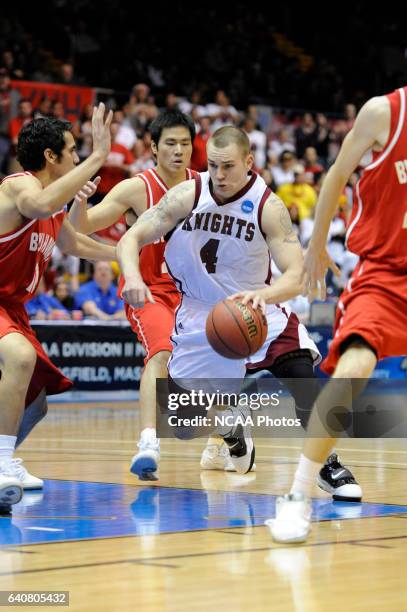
(195, 540)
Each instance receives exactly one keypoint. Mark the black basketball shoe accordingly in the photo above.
(241, 449)
(338, 480)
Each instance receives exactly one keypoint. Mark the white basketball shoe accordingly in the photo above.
(292, 522)
(145, 463)
(217, 457)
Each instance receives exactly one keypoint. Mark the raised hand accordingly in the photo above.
(87, 191)
(101, 130)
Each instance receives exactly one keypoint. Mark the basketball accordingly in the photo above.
(236, 330)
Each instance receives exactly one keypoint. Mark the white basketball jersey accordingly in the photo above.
(219, 249)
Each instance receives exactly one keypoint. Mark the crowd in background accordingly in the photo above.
(260, 89)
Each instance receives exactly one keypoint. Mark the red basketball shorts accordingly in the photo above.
(373, 306)
(153, 323)
(14, 319)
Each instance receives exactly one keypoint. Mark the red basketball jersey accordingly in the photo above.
(378, 225)
(24, 255)
(152, 264)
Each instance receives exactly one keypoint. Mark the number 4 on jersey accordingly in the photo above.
(208, 255)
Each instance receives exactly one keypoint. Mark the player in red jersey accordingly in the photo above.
(172, 134)
(32, 221)
(371, 320)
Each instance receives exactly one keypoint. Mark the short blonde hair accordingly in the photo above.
(229, 134)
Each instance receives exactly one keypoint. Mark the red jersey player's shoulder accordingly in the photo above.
(374, 115)
(17, 186)
(19, 181)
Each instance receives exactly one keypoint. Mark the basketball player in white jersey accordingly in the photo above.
(226, 223)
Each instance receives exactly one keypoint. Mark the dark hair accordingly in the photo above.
(38, 135)
(170, 119)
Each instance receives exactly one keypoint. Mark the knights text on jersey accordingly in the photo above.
(219, 249)
(378, 225)
(24, 256)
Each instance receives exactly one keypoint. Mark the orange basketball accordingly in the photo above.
(236, 330)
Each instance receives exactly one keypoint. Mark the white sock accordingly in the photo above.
(305, 476)
(7, 446)
(149, 434)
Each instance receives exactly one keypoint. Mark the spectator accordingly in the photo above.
(322, 137)
(258, 142)
(43, 306)
(8, 62)
(311, 163)
(62, 294)
(305, 135)
(117, 165)
(57, 109)
(139, 94)
(66, 75)
(283, 173)
(194, 103)
(221, 111)
(171, 102)
(8, 108)
(280, 144)
(299, 193)
(98, 297)
(24, 116)
(142, 109)
(126, 135)
(65, 265)
(44, 108)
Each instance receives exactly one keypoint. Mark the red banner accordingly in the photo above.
(73, 98)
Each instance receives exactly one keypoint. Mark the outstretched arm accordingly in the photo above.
(129, 194)
(151, 226)
(370, 130)
(72, 243)
(34, 202)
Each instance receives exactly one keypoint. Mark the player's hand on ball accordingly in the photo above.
(87, 191)
(316, 264)
(136, 293)
(256, 297)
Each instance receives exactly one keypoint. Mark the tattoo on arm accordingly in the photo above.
(159, 218)
(285, 220)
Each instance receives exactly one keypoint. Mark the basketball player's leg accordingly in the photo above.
(33, 414)
(17, 363)
(195, 365)
(293, 511)
(155, 368)
(153, 325)
(296, 371)
(146, 461)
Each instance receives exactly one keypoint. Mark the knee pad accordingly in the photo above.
(290, 369)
